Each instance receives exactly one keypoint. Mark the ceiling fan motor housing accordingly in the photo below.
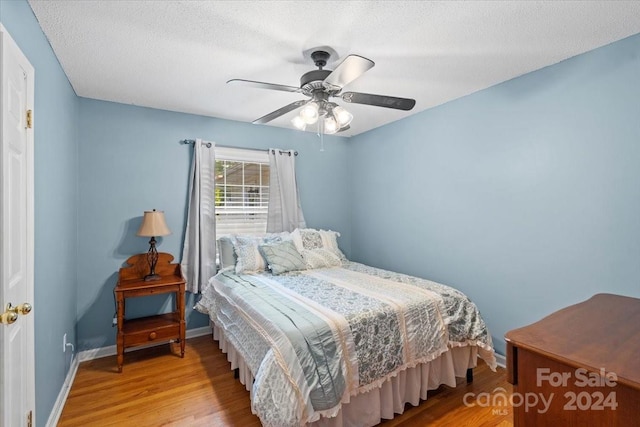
(313, 80)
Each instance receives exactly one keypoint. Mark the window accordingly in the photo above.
(241, 191)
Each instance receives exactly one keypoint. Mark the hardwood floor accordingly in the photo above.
(158, 388)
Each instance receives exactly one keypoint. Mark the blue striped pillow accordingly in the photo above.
(282, 257)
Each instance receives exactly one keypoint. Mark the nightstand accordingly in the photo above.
(150, 329)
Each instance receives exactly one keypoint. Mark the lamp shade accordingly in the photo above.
(343, 117)
(309, 113)
(153, 224)
(330, 125)
(299, 123)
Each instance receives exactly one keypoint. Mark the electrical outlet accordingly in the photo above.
(64, 343)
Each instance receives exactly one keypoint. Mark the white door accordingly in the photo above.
(16, 230)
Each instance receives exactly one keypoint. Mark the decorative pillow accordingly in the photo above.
(330, 242)
(249, 258)
(320, 258)
(308, 238)
(226, 252)
(282, 257)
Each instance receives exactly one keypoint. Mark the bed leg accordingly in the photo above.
(469, 376)
(236, 373)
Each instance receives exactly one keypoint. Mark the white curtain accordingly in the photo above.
(199, 251)
(285, 212)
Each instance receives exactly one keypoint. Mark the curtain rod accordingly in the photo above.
(193, 141)
(209, 145)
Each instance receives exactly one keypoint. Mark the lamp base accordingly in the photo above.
(151, 277)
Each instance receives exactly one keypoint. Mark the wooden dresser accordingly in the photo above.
(158, 328)
(579, 366)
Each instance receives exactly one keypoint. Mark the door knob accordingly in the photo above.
(8, 318)
(24, 308)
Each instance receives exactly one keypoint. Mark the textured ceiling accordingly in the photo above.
(178, 55)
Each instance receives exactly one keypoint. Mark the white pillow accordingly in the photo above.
(320, 258)
(226, 251)
(309, 238)
(296, 238)
(306, 238)
(330, 242)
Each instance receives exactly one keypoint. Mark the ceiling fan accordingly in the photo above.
(320, 85)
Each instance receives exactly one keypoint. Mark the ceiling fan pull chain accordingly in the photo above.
(321, 134)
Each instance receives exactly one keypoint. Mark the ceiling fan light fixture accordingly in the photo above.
(299, 123)
(342, 116)
(309, 113)
(320, 86)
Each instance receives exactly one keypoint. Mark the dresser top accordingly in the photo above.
(600, 333)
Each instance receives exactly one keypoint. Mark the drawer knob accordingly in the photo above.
(152, 336)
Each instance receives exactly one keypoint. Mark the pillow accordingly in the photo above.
(249, 259)
(226, 252)
(330, 242)
(276, 237)
(320, 258)
(308, 238)
(247, 256)
(282, 257)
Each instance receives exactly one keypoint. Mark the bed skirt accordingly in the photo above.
(370, 408)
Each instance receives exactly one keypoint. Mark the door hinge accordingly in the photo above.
(30, 419)
(29, 119)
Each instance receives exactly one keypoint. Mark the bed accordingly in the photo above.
(320, 340)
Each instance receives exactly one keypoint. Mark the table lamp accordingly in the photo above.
(153, 224)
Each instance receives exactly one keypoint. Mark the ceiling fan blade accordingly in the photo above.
(263, 85)
(342, 129)
(279, 112)
(405, 104)
(350, 69)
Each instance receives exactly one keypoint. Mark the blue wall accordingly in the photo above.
(525, 196)
(56, 202)
(131, 161)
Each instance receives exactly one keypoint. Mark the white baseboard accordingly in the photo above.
(501, 360)
(97, 353)
(54, 416)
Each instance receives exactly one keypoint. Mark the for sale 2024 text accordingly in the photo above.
(599, 400)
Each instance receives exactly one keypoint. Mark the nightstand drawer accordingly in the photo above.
(157, 334)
